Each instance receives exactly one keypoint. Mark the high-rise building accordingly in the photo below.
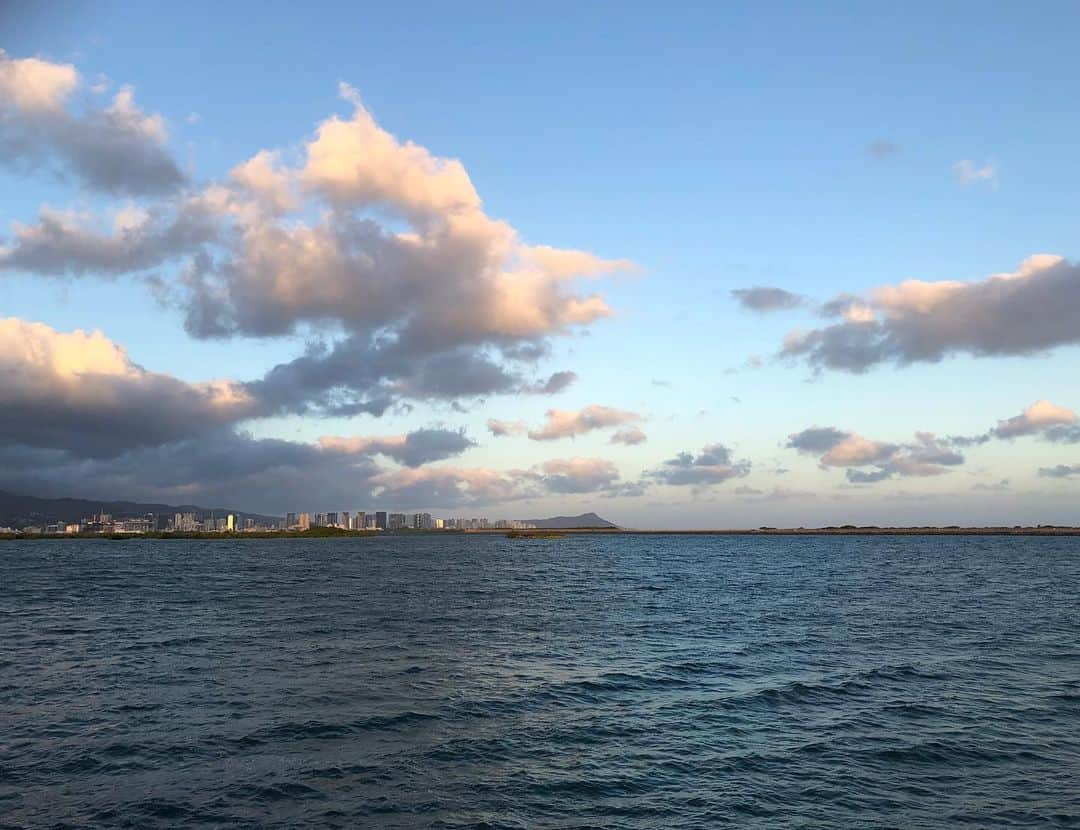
(304, 522)
(360, 520)
(345, 520)
(395, 521)
(380, 519)
(370, 523)
(290, 520)
(331, 520)
(231, 524)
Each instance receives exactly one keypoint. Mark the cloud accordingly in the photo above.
(579, 475)
(766, 298)
(450, 486)
(219, 467)
(882, 150)
(1031, 310)
(1060, 471)
(554, 384)
(1043, 419)
(413, 449)
(630, 436)
(774, 495)
(712, 465)
(376, 250)
(502, 429)
(80, 392)
(455, 304)
(967, 173)
(925, 456)
(67, 243)
(116, 149)
(568, 423)
(33, 85)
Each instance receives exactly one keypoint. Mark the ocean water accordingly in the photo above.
(609, 682)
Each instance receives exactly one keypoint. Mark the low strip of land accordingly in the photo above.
(331, 533)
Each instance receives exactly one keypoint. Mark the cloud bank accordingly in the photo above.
(1031, 310)
(866, 461)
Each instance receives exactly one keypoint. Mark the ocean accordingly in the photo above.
(593, 681)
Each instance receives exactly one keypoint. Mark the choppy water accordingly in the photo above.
(625, 682)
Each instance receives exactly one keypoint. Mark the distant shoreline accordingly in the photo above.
(847, 530)
(828, 531)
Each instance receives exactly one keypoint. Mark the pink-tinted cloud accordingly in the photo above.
(568, 423)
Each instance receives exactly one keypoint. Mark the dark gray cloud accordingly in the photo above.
(868, 476)
(767, 298)
(370, 375)
(554, 384)
(79, 392)
(217, 467)
(273, 476)
(1060, 471)
(816, 440)
(1035, 309)
(421, 446)
(714, 464)
(62, 244)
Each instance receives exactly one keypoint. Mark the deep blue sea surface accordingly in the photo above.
(614, 682)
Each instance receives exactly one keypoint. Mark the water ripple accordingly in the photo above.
(470, 682)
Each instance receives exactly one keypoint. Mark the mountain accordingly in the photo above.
(19, 511)
(567, 522)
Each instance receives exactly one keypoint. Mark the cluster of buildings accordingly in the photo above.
(191, 522)
(179, 523)
(382, 520)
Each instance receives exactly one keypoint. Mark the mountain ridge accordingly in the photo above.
(590, 520)
(16, 509)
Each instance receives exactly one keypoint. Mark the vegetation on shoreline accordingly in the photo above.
(535, 534)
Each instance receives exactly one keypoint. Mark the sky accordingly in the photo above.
(683, 265)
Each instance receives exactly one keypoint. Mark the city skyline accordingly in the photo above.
(651, 270)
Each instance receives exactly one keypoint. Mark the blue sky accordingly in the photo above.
(807, 148)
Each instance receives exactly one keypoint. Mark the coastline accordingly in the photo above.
(846, 530)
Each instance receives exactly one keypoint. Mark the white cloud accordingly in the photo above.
(968, 172)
